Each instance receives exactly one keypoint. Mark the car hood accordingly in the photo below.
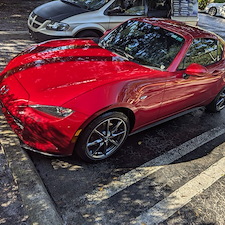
(214, 5)
(58, 10)
(57, 71)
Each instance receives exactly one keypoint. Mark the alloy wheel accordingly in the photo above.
(106, 138)
(221, 101)
(212, 11)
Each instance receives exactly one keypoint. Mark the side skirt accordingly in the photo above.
(166, 120)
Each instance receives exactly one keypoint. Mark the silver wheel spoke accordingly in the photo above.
(108, 128)
(96, 142)
(105, 147)
(222, 95)
(96, 150)
(106, 137)
(116, 127)
(113, 142)
(99, 133)
(220, 103)
(118, 134)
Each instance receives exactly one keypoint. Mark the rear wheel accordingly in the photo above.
(218, 103)
(103, 136)
(212, 11)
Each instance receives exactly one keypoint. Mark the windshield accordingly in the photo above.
(144, 43)
(87, 4)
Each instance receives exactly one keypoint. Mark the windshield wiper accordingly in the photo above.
(123, 53)
(116, 50)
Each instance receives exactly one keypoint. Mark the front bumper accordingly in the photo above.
(39, 37)
(47, 134)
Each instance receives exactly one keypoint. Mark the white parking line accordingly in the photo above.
(135, 175)
(179, 198)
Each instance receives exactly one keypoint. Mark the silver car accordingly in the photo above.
(91, 18)
(215, 9)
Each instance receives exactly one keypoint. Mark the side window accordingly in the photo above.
(159, 8)
(127, 8)
(203, 51)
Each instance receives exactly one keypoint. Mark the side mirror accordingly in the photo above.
(196, 70)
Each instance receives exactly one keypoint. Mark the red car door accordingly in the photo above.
(186, 91)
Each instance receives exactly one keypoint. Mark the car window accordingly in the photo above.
(203, 51)
(127, 8)
(159, 8)
(144, 43)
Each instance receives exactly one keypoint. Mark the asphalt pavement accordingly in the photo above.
(25, 199)
(11, 208)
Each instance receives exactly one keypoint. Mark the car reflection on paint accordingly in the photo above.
(87, 96)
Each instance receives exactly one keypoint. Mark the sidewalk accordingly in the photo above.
(25, 199)
(11, 208)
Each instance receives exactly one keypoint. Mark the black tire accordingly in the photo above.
(212, 11)
(88, 33)
(103, 137)
(218, 103)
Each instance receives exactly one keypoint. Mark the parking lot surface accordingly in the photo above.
(170, 174)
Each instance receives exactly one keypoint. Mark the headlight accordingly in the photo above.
(53, 110)
(58, 26)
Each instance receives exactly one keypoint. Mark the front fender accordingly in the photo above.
(100, 100)
(89, 26)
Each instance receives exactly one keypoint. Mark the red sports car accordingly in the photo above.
(87, 96)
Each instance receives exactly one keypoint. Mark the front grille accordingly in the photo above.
(39, 19)
(35, 25)
(35, 21)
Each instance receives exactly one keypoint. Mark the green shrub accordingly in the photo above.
(202, 3)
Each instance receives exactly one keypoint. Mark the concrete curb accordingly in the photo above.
(2, 32)
(38, 204)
